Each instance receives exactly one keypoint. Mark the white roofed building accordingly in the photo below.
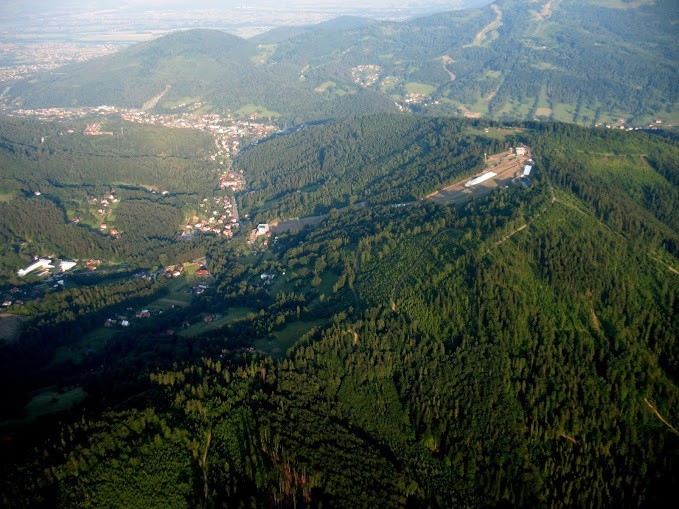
(263, 229)
(66, 265)
(42, 263)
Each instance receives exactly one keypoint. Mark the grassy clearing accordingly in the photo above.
(174, 103)
(178, 293)
(285, 338)
(261, 111)
(51, 402)
(631, 172)
(419, 88)
(5, 197)
(544, 66)
(564, 112)
(516, 109)
(389, 83)
(75, 352)
(495, 133)
(332, 88)
(265, 51)
(587, 114)
(232, 315)
(323, 87)
(480, 106)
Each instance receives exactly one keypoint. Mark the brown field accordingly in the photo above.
(506, 165)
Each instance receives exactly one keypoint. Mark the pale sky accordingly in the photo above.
(25, 5)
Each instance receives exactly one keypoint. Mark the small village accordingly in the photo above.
(228, 130)
(366, 75)
(218, 215)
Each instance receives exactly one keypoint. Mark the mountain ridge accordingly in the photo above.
(581, 63)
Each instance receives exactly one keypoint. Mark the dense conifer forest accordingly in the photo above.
(516, 350)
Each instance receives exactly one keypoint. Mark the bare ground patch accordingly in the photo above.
(506, 166)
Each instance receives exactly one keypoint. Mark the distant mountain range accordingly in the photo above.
(596, 61)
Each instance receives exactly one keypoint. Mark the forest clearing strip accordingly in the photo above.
(595, 319)
(497, 23)
(397, 287)
(357, 269)
(604, 225)
(151, 103)
(446, 61)
(505, 239)
(655, 410)
(355, 336)
(547, 9)
(203, 465)
(524, 226)
(669, 267)
(570, 439)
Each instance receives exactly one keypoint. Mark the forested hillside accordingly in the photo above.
(383, 159)
(49, 177)
(519, 350)
(596, 61)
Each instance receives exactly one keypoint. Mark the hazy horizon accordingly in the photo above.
(129, 21)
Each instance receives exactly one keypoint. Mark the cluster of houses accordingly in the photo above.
(48, 54)
(414, 98)
(16, 302)
(227, 131)
(92, 264)
(172, 271)
(366, 75)
(622, 125)
(95, 130)
(124, 321)
(110, 322)
(222, 221)
(232, 180)
(199, 289)
(105, 203)
(266, 278)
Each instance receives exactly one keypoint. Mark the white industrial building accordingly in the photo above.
(262, 229)
(66, 265)
(42, 263)
(480, 178)
(527, 169)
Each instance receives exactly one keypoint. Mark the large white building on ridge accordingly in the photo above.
(42, 263)
(480, 178)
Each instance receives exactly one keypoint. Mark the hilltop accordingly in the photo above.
(608, 62)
